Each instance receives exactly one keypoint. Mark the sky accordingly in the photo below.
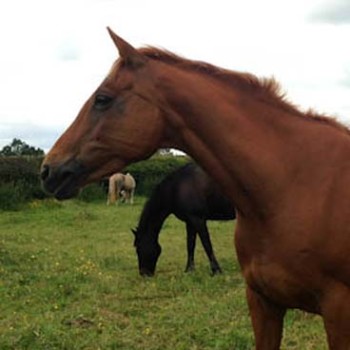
(55, 53)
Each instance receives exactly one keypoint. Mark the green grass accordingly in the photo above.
(69, 280)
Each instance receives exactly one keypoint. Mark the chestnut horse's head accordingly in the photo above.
(120, 123)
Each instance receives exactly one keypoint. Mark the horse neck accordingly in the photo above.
(153, 216)
(214, 123)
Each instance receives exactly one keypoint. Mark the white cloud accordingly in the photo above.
(335, 12)
(68, 50)
(32, 134)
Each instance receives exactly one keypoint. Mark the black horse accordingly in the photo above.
(192, 197)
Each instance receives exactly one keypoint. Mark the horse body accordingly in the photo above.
(192, 197)
(121, 185)
(288, 144)
(286, 171)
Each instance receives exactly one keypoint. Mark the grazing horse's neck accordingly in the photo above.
(153, 216)
(215, 122)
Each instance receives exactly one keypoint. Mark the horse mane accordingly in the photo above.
(267, 89)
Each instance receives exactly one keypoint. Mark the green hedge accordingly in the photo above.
(147, 174)
(150, 172)
(20, 181)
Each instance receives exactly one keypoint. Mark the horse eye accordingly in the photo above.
(102, 102)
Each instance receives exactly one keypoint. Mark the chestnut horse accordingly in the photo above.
(288, 173)
(120, 185)
(193, 197)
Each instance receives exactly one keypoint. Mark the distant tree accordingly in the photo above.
(19, 148)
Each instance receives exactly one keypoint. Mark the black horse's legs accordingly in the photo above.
(191, 245)
(203, 232)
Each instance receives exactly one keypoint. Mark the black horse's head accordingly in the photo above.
(148, 252)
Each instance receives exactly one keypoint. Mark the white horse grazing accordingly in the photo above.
(121, 186)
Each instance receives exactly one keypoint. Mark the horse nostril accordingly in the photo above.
(45, 171)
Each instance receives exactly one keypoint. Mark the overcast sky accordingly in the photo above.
(55, 53)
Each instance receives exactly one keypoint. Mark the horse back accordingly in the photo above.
(196, 194)
(129, 181)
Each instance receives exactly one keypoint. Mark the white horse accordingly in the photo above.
(121, 186)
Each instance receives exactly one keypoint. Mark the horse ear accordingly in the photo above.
(127, 52)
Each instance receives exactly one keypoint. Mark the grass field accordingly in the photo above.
(69, 280)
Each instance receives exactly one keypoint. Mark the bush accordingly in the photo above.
(149, 173)
(20, 181)
(92, 192)
(11, 197)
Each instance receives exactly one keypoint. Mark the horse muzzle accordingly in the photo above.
(63, 181)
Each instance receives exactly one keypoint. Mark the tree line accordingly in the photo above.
(20, 148)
